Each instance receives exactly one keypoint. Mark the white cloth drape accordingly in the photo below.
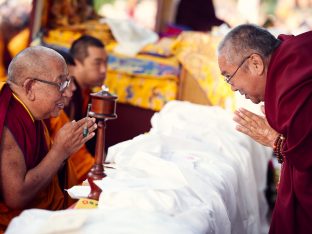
(192, 173)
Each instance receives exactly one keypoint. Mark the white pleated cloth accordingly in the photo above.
(192, 173)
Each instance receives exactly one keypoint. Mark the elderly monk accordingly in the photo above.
(37, 79)
(277, 71)
(82, 161)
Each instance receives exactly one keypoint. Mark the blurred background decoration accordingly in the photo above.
(189, 32)
(14, 19)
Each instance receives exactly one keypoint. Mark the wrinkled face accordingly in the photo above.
(93, 69)
(68, 93)
(244, 77)
(49, 99)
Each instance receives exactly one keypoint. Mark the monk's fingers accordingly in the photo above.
(241, 116)
(83, 134)
(83, 125)
(87, 137)
(250, 117)
(93, 127)
(77, 140)
(84, 121)
(240, 120)
(238, 116)
(248, 130)
(243, 129)
(73, 124)
(91, 123)
(247, 115)
(88, 129)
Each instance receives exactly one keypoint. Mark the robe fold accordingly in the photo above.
(81, 160)
(288, 108)
(31, 136)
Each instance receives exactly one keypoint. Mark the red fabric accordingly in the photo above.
(5, 97)
(20, 124)
(31, 139)
(288, 104)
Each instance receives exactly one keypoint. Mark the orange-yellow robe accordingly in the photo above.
(2, 68)
(82, 160)
(19, 42)
(31, 136)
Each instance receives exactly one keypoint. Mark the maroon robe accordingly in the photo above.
(32, 139)
(288, 108)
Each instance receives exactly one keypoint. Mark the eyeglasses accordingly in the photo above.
(228, 78)
(61, 86)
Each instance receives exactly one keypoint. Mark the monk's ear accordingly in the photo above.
(29, 89)
(78, 62)
(257, 64)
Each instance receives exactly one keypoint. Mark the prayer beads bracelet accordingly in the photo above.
(278, 147)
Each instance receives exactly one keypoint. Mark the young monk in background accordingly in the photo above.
(90, 71)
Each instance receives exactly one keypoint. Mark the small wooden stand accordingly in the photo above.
(103, 108)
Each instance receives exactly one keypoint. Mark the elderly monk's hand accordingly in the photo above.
(255, 126)
(70, 137)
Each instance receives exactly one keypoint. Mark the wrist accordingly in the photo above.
(275, 135)
(59, 152)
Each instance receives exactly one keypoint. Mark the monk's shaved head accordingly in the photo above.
(31, 62)
(246, 39)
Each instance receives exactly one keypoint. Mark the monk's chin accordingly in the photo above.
(55, 113)
(252, 99)
(255, 101)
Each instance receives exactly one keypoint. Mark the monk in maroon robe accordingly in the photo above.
(29, 163)
(30, 136)
(288, 101)
(278, 72)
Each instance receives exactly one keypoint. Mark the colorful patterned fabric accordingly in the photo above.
(158, 68)
(142, 66)
(143, 82)
(135, 79)
(197, 53)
